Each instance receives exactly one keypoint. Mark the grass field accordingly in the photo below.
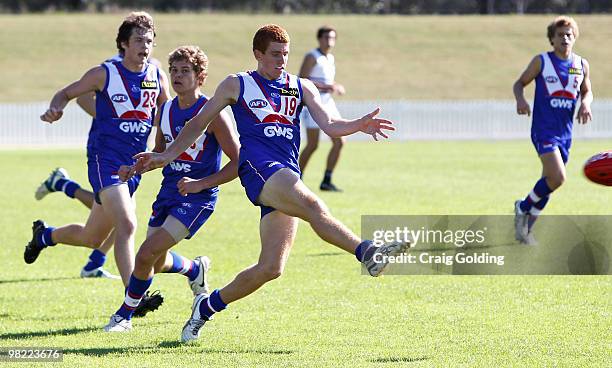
(321, 312)
(378, 57)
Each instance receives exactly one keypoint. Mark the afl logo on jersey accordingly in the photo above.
(552, 79)
(119, 98)
(257, 104)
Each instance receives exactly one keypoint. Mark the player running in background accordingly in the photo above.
(266, 104)
(562, 77)
(127, 94)
(319, 66)
(183, 204)
(59, 181)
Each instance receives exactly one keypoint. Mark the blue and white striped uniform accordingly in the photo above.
(556, 96)
(201, 159)
(267, 115)
(124, 116)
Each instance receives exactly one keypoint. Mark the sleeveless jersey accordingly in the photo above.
(267, 117)
(324, 71)
(202, 159)
(556, 95)
(91, 138)
(124, 111)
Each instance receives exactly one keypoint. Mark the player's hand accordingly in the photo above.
(522, 107)
(339, 89)
(147, 161)
(52, 114)
(188, 185)
(374, 126)
(125, 172)
(584, 114)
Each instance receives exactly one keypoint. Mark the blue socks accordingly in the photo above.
(96, 260)
(183, 266)
(211, 305)
(44, 238)
(67, 186)
(135, 290)
(539, 193)
(364, 250)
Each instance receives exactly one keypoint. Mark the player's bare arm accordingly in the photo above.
(227, 93)
(335, 128)
(532, 71)
(586, 96)
(87, 102)
(222, 128)
(91, 81)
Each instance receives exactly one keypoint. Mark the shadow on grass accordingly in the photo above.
(170, 345)
(15, 281)
(327, 254)
(65, 331)
(399, 360)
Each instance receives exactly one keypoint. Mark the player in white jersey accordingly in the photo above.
(127, 94)
(320, 67)
(266, 105)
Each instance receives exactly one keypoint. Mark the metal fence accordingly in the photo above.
(414, 120)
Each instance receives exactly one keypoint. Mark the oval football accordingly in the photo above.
(598, 168)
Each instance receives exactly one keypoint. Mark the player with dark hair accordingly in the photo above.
(319, 66)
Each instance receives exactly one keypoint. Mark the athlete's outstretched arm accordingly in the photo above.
(586, 95)
(222, 128)
(335, 128)
(532, 71)
(91, 81)
(227, 93)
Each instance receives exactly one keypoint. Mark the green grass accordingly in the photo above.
(378, 57)
(321, 312)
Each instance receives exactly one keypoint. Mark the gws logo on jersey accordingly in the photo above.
(180, 166)
(133, 127)
(561, 103)
(258, 103)
(552, 79)
(278, 131)
(119, 98)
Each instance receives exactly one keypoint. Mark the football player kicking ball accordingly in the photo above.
(183, 204)
(266, 104)
(562, 77)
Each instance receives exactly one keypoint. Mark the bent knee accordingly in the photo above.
(271, 271)
(556, 180)
(146, 256)
(337, 143)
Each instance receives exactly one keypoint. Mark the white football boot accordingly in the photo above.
(98, 273)
(191, 330)
(118, 324)
(521, 223)
(48, 186)
(200, 284)
(377, 268)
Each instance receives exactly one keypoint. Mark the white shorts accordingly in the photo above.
(329, 106)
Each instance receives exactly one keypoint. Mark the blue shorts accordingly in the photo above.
(549, 144)
(103, 174)
(253, 176)
(191, 214)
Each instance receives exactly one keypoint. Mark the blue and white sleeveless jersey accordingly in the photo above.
(91, 138)
(556, 95)
(201, 159)
(267, 116)
(124, 112)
